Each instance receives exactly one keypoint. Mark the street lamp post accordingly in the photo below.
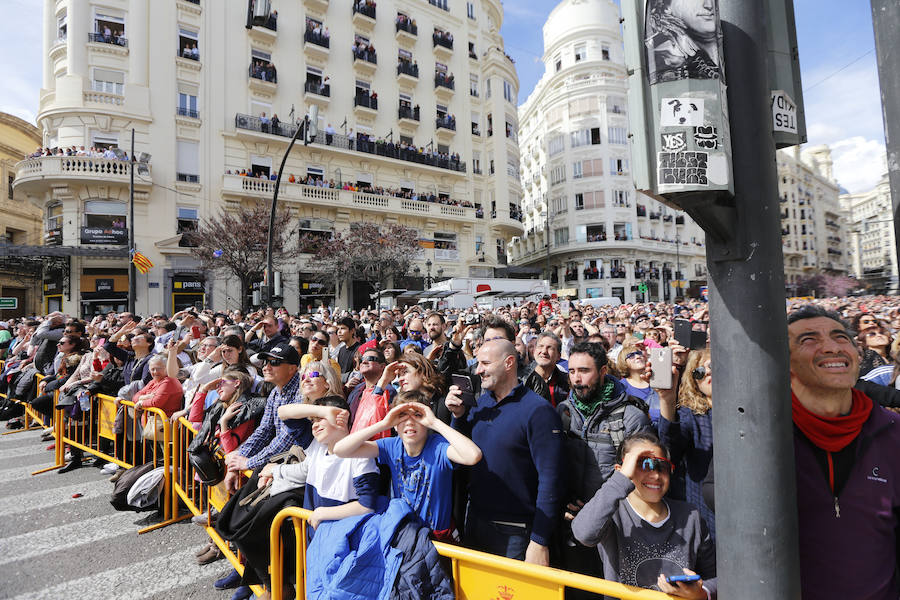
(428, 274)
(546, 215)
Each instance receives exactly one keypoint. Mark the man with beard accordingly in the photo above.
(597, 416)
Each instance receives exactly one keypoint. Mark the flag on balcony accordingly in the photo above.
(140, 261)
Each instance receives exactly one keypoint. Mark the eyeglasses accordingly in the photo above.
(228, 381)
(374, 359)
(871, 333)
(701, 372)
(311, 375)
(635, 354)
(60, 343)
(414, 332)
(207, 345)
(319, 341)
(656, 463)
(273, 362)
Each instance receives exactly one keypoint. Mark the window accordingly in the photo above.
(510, 129)
(187, 44)
(105, 213)
(445, 246)
(508, 93)
(604, 51)
(615, 105)
(109, 29)
(62, 27)
(476, 161)
(557, 62)
(512, 167)
(54, 217)
(479, 244)
(620, 199)
(188, 218)
(470, 10)
(586, 137)
(587, 168)
(580, 52)
(490, 124)
(618, 135)
(187, 100)
(618, 166)
(561, 236)
(576, 171)
(487, 88)
(472, 54)
(109, 82)
(9, 184)
(556, 144)
(589, 200)
(476, 123)
(557, 174)
(473, 85)
(103, 141)
(188, 161)
(558, 205)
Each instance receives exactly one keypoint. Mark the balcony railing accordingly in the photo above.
(187, 177)
(314, 87)
(407, 26)
(365, 55)
(187, 112)
(442, 40)
(263, 72)
(406, 112)
(45, 170)
(441, 80)
(366, 101)
(407, 68)
(365, 9)
(442, 4)
(358, 144)
(317, 38)
(102, 38)
(445, 122)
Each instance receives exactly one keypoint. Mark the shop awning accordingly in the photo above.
(503, 294)
(13, 250)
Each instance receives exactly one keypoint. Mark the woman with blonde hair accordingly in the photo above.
(317, 380)
(687, 429)
(631, 365)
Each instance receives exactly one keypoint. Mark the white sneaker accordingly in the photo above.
(68, 456)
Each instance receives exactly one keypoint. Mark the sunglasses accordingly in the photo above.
(414, 332)
(636, 354)
(316, 340)
(700, 372)
(274, 362)
(311, 375)
(374, 359)
(656, 463)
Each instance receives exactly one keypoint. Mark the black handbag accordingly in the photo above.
(207, 461)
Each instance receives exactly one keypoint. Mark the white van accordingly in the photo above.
(598, 302)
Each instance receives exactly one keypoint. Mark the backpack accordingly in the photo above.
(119, 498)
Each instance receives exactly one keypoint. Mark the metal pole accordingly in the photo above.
(547, 241)
(678, 263)
(132, 284)
(886, 20)
(756, 504)
(270, 281)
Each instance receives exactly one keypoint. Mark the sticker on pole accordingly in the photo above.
(784, 112)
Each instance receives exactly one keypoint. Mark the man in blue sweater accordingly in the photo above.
(516, 491)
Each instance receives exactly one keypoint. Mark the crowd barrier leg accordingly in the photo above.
(299, 517)
(30, 416)
(59, 451)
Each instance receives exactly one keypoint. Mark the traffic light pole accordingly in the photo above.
(755, 487)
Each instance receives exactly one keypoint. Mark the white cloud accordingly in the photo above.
(859, 163)
(20, 29)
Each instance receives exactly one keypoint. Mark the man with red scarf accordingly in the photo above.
(847, 452)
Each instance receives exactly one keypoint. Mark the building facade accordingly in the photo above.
(872, 241)
(813, 231)
(21, 223)
(201, 84)
(584, 222)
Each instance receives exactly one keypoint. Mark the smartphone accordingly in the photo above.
(452, 318)
(682, 578)
(464, 383)
(195, 332)
(661, 363)
(687, 337)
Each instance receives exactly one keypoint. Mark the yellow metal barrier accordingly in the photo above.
(199, 497)
(476, 575)
(31, 415)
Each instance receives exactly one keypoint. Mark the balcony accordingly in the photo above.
(364, 16)
(263, 77)
(190, 113)
(316, 46)
(318, 93)
(365, 106)
(442, 4)
(365, 62)
(443, 86)
(408, 116)
(426, 160)
(406, 32)
(445, 128)
(236, 187)
(319, 6)
(111, 39)
(36, 175)
(443, 45)
(407, 73)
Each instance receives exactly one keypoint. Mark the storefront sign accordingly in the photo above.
(179, 284)
(103, 235)
(104, 285)
(53, 237)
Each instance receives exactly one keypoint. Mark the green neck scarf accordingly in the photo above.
(589, 406)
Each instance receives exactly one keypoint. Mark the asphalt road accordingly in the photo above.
(54, 546)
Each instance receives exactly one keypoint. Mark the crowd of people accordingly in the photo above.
(92, 152)
(531, 432)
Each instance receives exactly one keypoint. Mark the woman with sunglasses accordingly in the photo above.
(631, 363)
(685, 427)
(232, 388)
(318, 349)
(642, 536)
(875, 343)
(317, 380)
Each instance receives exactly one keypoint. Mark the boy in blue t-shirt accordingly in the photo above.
(421, 464)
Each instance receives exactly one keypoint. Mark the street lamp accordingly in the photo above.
(545, 214)
(418, 272)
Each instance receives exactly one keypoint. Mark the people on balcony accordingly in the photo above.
(407, 24)
(443, 79)
(442, 38)
(364, 50)
(317, 33)
(446, 120)
(263, 69)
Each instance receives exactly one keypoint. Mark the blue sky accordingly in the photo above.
(843, 107)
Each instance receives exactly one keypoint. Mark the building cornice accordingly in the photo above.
(21, 125)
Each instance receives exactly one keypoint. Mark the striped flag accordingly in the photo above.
(140, 261)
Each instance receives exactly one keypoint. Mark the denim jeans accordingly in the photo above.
(504, 540)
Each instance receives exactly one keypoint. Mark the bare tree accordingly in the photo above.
(365, 252)
(234, 244)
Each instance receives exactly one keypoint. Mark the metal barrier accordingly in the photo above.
(31, 415)
(475, 574)
(199, 497)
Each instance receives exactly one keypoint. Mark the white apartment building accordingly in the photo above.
(872, 241)
(582, 215)
(199, 82)
(813, 233)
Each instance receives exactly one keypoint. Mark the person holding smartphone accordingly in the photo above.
(645, 539)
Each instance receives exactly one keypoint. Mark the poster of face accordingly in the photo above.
(682, 40)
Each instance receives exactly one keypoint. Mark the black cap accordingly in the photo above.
(283, 351)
